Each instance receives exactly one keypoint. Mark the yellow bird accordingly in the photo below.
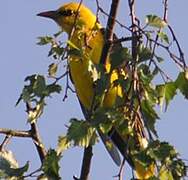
(84, 31)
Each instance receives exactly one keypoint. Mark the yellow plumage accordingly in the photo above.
(85, 33)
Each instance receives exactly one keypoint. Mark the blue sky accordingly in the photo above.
(20, 57)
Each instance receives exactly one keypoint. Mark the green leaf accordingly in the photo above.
(178, 169)
(165, 150)
(163, 36)
(44, 40)
(9, 167)
(81, 133)
(164, 173)
(155, 21)
(37, 85)
(182, 83)
(119, 56)
(58, 33)
(37, 89)
(50, 164)
(56, 51)
(36, 112)
(166, 93)
(52, 69)
(150, 116)
(63, 144)
(159, 59)
(52, 88)
(144, 54)
(72, 45)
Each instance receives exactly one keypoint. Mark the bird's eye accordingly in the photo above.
(66, 12)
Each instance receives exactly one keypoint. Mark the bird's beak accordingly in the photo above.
(49, 14)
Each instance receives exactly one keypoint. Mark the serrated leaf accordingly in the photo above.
(144, 165)
(167, 157)
(36, 86)
(182, 83)
(44, 40)
(37, 89)
(119, 56)
(36, 112)
(53, 88)
(144, 54)
(150, 115)
(52, 69)
(56, 51)
(161, 151)
(155, 21)
(166, 93)
(163, 36)
(63, 144)
(50, 164)
(9, 168)
(81, 133)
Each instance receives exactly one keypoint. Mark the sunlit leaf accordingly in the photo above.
(81, 133)
(52, 69)
(165, 173)
(63, 144)
(164, 37)
(9, 168)
(166, 92)
(36, 112)
(72, 45)
(182, 84)
(155, 21)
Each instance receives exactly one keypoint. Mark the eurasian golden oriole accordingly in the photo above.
(84, 31)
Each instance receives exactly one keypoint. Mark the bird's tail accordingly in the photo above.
(122, 145)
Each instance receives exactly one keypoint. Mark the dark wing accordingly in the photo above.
(108, 143)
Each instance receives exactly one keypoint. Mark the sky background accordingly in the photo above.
(20, 57)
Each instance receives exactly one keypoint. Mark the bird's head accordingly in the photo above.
(70, 15)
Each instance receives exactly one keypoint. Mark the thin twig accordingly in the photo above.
(32, 173)
(165, 15)
(109, 31)
(120, 173)
(15, 133)
(181, 58)
(5, 142)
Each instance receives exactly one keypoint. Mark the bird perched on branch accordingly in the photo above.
(86, 34)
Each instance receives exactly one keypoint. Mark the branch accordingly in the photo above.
(33, 133)
(181, 58)
(86, 164)
(134, 29)
(15, 133)
(35, 136)
(109, 31)
(37, 141)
